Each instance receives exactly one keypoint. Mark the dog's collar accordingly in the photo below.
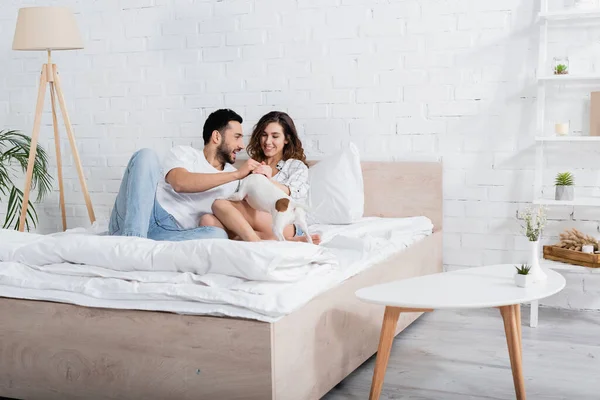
(280, 165)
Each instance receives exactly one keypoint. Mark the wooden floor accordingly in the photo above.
(460, 355)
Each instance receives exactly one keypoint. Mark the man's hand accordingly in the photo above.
(247, 168)
(264, 170)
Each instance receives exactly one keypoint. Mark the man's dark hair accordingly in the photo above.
(218, 121)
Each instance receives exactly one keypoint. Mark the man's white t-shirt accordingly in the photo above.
(187, 208)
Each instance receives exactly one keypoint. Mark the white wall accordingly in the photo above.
(402, 79)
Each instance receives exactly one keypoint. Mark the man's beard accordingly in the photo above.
(224, 154)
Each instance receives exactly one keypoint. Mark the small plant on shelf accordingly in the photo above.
(523, 269)
(561, 65)
(564, 179)
(564, 186)
(561, 69)
(522, 277)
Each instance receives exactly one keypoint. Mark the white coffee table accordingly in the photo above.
(482, 287)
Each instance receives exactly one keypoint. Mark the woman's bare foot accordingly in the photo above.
(316, 238)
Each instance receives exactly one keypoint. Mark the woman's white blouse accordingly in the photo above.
(293, 174)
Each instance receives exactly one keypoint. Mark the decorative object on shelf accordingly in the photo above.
(522, 277)
(534, 224)
(561, 128)
(595, 114)
(572, 239)
(46, 29)
(561, 65)
(14, 153)
(588, 249)
(564, 186)
(573, 257)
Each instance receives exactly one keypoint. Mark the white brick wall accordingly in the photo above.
(402, 79)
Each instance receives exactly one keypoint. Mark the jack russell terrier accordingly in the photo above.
(262, 195)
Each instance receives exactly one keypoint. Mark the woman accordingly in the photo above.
(275, 144)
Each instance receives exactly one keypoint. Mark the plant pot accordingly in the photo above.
(523, 280)
(564, 193)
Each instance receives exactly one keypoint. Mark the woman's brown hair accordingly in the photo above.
(293, 148)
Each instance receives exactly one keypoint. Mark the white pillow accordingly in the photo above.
(336, 188)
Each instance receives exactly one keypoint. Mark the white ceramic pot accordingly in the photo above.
(564, 193)
(523, 280)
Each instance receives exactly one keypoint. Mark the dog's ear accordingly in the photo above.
(282, 204)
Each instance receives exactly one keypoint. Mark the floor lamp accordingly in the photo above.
(47, 29)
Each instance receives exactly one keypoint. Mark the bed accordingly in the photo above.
(54, 350)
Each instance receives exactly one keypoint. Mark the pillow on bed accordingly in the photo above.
(336, 188)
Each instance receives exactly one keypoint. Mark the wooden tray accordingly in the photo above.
(572, 257)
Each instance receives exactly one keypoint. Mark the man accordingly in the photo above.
(168, 203)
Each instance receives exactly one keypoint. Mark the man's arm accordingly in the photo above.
(184, 181)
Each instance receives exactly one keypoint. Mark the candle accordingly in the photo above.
(588, 248)
(562, 128)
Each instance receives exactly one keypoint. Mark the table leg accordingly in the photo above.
(388, 328)
(517, 308)
(533, 316)
(511, 315)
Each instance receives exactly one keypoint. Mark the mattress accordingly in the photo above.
(262, 281)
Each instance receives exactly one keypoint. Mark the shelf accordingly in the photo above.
(567, 138)
(590, 202)
(559, 266)
(568, 77)
(570, 15)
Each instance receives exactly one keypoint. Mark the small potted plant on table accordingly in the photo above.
(564, 186)
(522, 277)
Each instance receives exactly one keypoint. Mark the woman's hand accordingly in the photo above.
(264, 169)
(246, 169)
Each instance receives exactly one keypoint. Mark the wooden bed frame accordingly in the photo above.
(62, 351)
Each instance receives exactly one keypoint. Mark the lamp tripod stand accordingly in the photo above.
(49, 75)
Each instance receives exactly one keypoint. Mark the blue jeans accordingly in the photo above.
(298, 231)
(137, 212)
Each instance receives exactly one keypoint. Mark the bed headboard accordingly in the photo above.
(402, 189)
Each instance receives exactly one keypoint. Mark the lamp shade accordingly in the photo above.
(46, 28)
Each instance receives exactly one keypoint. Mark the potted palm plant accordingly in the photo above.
(14, 155)
(564, 186)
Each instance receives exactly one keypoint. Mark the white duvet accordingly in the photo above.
(262, 281)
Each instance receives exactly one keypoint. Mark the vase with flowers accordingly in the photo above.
(535, 220)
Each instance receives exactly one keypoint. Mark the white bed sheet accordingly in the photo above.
(345, 251)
